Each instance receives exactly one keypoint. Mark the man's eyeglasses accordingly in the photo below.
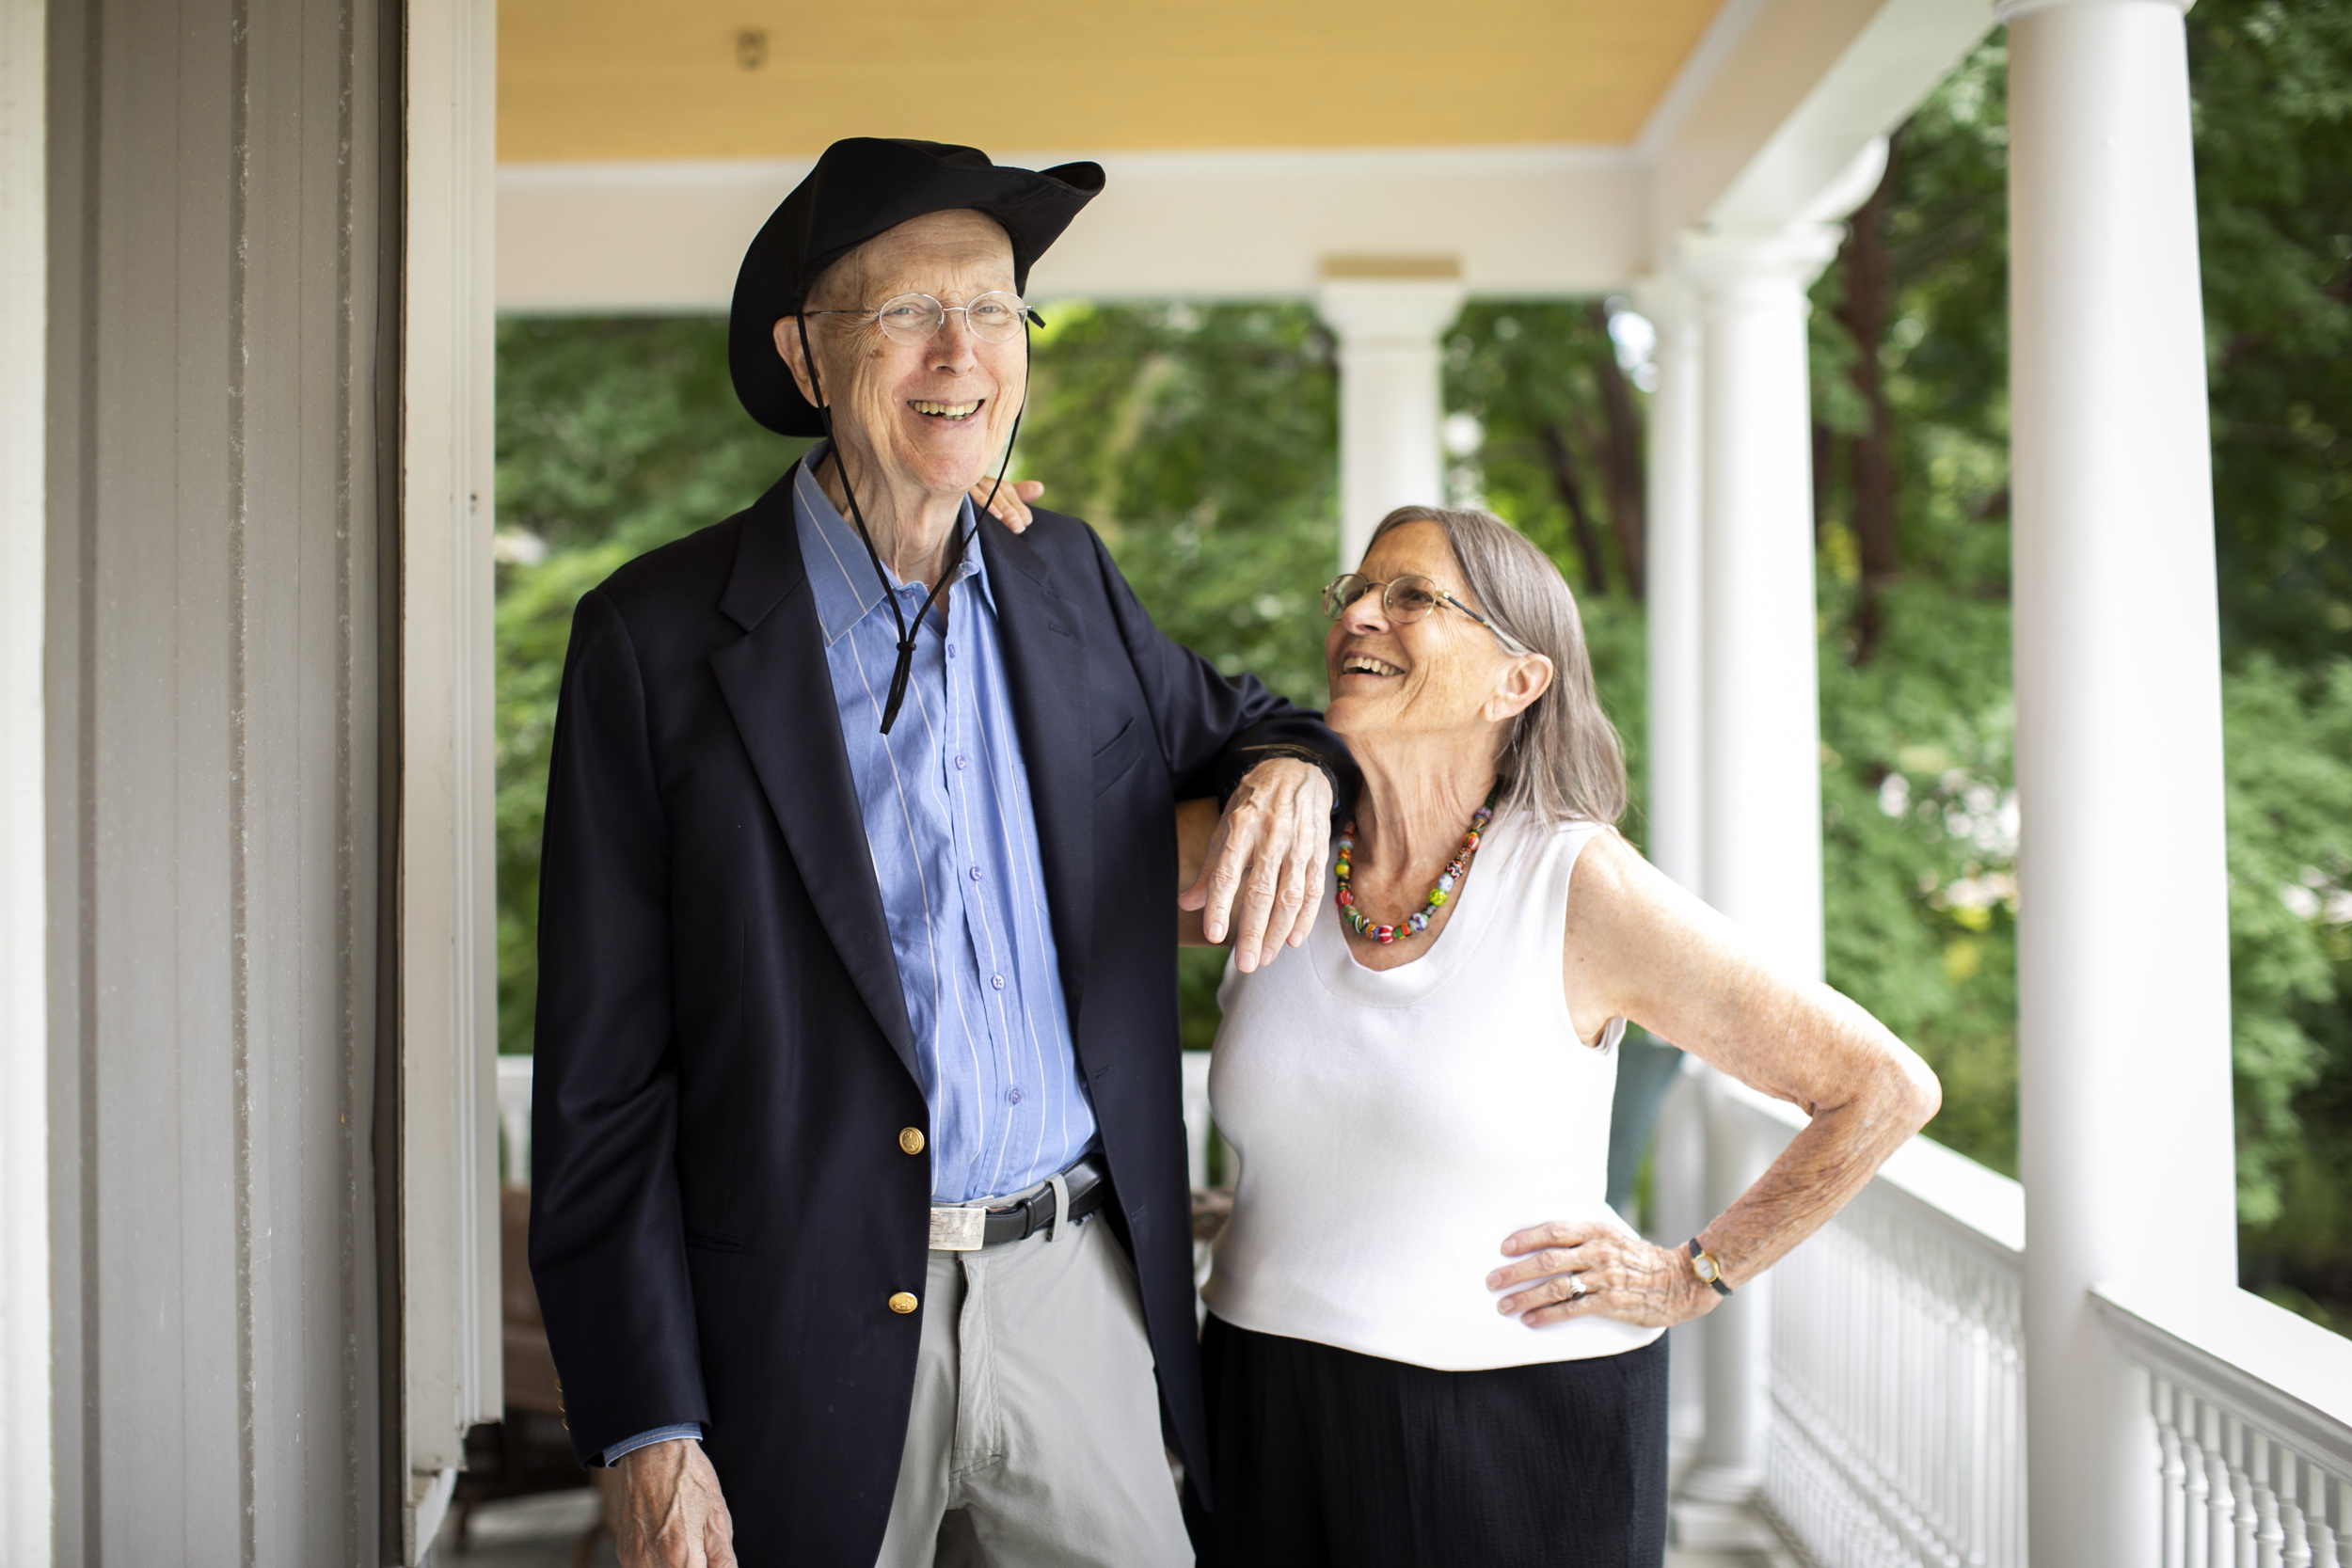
(993, 318)
(1407, 599)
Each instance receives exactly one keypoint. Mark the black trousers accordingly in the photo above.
(1323, 1456)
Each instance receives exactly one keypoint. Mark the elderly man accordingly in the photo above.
(859, 1217)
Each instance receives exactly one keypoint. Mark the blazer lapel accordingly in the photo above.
(1045, 674)
(780, 692)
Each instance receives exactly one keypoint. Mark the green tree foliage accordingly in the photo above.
(2273, 84)
(2274, 155)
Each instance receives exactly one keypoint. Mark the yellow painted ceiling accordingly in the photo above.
(592, 80)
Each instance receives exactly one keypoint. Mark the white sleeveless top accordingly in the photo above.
(1394, 1127)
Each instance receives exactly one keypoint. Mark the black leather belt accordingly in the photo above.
(959, 1228)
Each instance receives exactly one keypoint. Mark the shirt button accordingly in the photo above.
(951, 650)
(1013, 1094)
(976, 873)
(996, 980)
(903, 1303)
(959, 762)
(911, 1139)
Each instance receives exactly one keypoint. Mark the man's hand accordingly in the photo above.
(1011, 505)
(669, 1513)
(1272, 839)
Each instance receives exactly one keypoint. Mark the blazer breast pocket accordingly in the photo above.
(1113, 759)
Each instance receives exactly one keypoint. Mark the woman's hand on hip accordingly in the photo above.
(1591, 1269)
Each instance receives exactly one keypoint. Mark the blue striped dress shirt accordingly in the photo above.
(950, 822)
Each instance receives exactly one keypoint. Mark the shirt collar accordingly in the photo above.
(840, 572)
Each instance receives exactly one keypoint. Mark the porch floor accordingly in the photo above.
(546, 1532)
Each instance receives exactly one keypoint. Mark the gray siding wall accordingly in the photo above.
(214, 622)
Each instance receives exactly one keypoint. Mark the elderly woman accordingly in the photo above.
(1430, 1339)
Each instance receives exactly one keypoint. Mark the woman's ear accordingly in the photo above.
(1523, 680)
(787, 332)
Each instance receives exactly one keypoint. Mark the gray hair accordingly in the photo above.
(1563, 761)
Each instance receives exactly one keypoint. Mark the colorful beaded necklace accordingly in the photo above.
(1418, 921)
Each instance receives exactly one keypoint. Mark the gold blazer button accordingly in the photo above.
(902, 1302)
(911, 1139)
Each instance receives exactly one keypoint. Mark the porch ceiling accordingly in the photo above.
(621, 81)
(1548, 147)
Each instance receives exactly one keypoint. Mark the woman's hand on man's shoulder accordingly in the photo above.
(1009, 502)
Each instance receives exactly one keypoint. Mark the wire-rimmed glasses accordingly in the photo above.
(1407, 599)
(994, 317)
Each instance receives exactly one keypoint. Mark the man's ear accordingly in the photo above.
(787, 332)
(1522, 681)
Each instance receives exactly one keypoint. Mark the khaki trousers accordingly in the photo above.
(1034, 1441)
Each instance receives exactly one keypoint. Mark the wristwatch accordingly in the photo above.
(1708, 1269)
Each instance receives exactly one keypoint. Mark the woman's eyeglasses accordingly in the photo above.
(1407, 599)
(993, 318)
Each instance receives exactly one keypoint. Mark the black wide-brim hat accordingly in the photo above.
(860, 187)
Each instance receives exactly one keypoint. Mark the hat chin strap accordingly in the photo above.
(903, 671)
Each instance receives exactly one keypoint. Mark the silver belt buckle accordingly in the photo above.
(958, 1229)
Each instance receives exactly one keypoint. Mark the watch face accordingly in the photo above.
(1706, 1267)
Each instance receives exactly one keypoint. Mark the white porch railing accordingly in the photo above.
(2252, 1413)
(1897, 1382)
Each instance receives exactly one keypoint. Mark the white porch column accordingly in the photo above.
(1760, 808)
(1674, 618)
(1760, 813)
(1674, 609)
(1390, 394)
(2123, 1028)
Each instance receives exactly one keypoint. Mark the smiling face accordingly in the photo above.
(928, 417)
(1442, 678)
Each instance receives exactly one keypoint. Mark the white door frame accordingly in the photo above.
(449, 1344)
(28, 1477)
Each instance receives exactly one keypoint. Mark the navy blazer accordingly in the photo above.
(720, 1207)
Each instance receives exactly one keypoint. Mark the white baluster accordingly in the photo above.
(2220, 1496)
(2198, 1511)
(2013, 1469)
(2262, 1462)
(2324, 1516)
(2296, 1547)
(2245, 1522)
(2173, 1496)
